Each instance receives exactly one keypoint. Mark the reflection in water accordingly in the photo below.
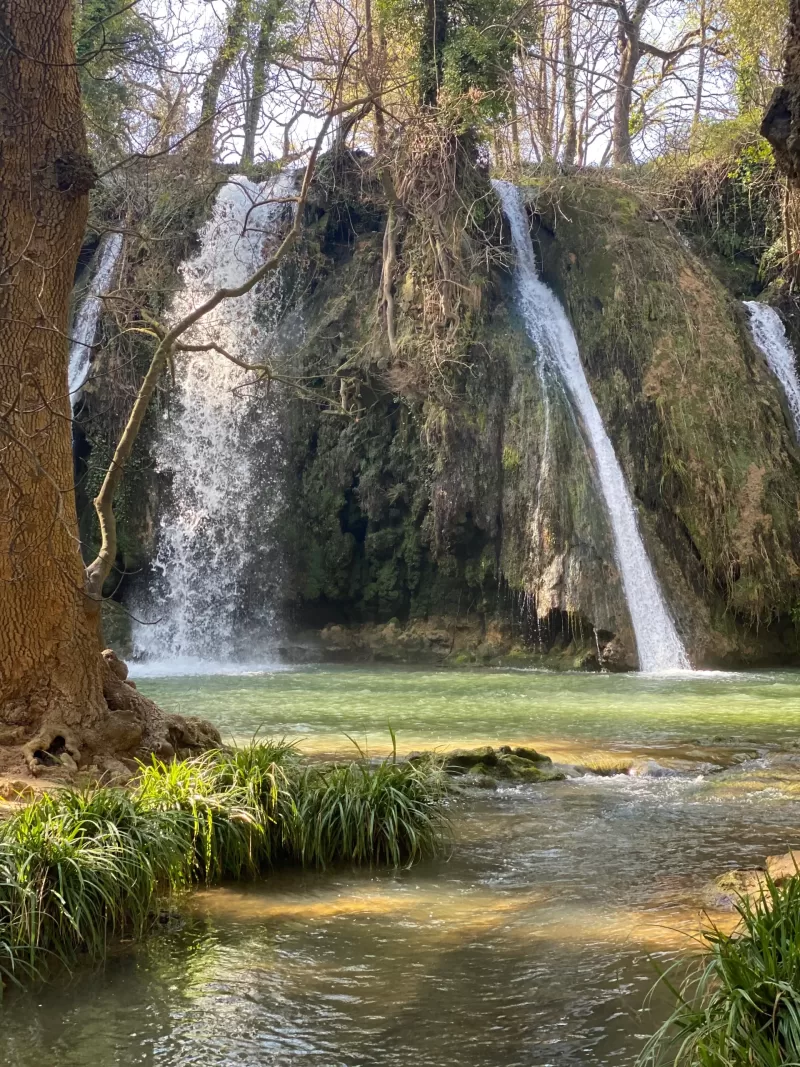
(533, 944)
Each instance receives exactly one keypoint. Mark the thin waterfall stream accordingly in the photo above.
(220, 451)
(87, 316)
(770, 337)
(657, 642)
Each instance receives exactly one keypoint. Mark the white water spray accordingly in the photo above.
(657, 641)
(84, 327)
(221, 450)
(770, 336)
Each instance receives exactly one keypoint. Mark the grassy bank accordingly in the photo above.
(741, 1008)
(80, 868)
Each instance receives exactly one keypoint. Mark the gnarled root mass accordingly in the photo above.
(104, 739)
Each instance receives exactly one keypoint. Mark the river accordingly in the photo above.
(534, 944)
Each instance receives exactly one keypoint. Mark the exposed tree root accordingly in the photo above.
(387, 279)
(127, 727)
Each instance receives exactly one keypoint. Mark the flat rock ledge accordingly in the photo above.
(750, 883)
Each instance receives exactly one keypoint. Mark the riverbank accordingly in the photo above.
(80, 869)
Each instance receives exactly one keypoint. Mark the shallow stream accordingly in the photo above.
(534, 943)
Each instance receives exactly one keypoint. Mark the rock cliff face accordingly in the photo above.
(434, 502)
(697, 418)
(421, 522)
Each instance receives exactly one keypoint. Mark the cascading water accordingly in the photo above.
(84, 327)
(770, 337)
(657, 641)
(210, 601)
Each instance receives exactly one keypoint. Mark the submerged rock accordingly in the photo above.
(529, 754)
(780, 868)
(467, 758)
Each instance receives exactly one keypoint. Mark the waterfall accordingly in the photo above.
(220, 451)
(84, 326)
(770, 337)
(657, 641)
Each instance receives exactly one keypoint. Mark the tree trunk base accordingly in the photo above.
(108, 741)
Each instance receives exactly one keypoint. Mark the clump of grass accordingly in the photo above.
(742, 1008)
(389, 814)
(77, 868)
(80, 867)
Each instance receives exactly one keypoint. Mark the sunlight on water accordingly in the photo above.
(534, 943)
(318, 706)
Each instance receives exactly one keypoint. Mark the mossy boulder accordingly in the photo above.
(467, 759)
(530, 755)
(473, 766)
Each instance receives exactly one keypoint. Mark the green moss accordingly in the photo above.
(694, 414)
(511, 459)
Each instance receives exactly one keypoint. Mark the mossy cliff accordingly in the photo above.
(696, 417)
(422, 519)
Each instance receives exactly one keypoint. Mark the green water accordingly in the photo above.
(319, 706)
(533, 944)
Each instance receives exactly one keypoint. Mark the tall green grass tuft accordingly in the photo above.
(78, 868)
(389, 814)
(741, 1008)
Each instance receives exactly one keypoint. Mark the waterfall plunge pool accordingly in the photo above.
(533, 944)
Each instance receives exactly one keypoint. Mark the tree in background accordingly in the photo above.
(108, 35)
(781, 127)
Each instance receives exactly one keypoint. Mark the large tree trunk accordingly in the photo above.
(431, 52)
(260, 60)
(56, 689)
(570, 90)
(235, 30)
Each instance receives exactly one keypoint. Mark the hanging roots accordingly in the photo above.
(441, 194)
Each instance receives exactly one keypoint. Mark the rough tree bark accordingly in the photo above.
(61, 702)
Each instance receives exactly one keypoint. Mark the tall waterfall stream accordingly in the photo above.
(220, 449)
(770, 336)
(657, 641)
